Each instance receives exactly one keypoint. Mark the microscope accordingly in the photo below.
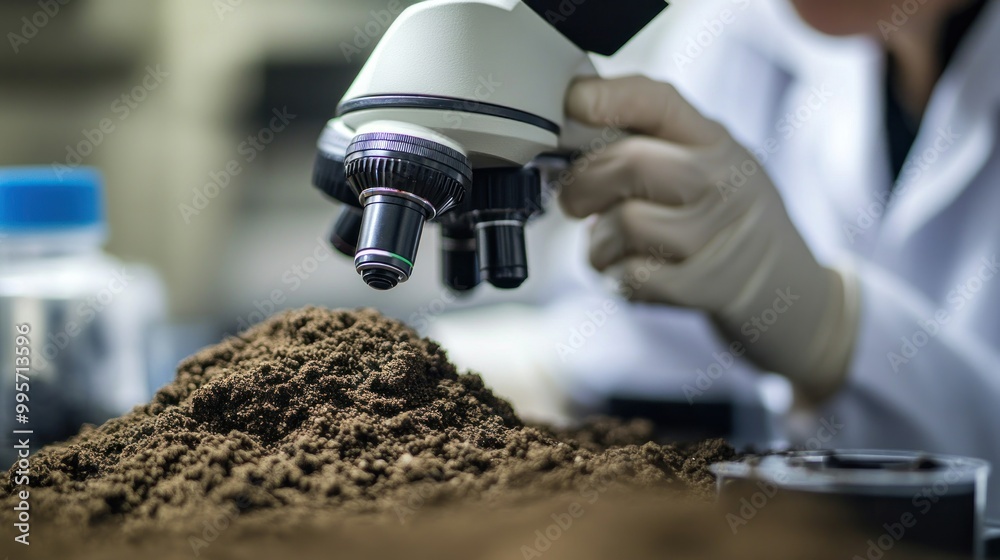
(448, 122)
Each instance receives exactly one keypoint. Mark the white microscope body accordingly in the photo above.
(456, 101)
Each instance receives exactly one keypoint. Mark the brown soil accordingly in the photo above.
(343, 434)
(327, 410)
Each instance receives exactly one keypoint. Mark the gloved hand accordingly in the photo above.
(734, 251)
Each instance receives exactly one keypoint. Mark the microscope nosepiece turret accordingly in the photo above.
(403, 181)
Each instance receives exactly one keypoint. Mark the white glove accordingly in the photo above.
(733, 250)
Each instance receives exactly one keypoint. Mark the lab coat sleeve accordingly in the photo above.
(918, 380)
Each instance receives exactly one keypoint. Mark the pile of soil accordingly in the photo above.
(336, 434)
(350, 412)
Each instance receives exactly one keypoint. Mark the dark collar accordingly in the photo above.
(956, 28)
(901, 127)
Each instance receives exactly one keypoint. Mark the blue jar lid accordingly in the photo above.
(41, 199)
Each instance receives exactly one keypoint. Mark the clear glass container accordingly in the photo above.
(89, 315)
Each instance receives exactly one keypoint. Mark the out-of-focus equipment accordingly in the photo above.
(444, 123)
(892, 498)
(83, 316)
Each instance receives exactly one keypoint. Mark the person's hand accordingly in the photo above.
(682, 186)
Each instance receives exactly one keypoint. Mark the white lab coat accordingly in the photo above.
(925, 374)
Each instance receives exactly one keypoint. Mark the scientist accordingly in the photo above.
(832, 207)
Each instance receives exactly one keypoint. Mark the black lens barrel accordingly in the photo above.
(393, 183)
(403, 181)
(459, 261)
(503, 200)
(390, 236)
(502, 252)
(346, 231)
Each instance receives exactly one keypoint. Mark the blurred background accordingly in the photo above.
(203, 117)
(222, 70)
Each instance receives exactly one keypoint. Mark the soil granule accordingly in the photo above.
(335, 410)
